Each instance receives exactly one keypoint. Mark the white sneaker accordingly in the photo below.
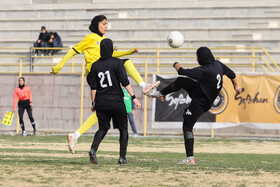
(156, 94)
(135, 135)
(188, 161)
(149, 87)
(23, 133)
(72, 141)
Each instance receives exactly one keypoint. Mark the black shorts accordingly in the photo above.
(25, 104)
(197, 107)
(199, 104)
(119, 117)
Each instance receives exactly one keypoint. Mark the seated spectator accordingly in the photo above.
(42, 41)
(54, 40)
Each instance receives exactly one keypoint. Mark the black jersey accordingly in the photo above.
(210, 77)
(105, 77)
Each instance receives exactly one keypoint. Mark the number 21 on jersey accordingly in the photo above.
(104, 76)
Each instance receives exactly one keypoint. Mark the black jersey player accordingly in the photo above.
(203, 85)
(105, 78)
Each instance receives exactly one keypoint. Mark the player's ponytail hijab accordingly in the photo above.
(94, 24)
(204, 56)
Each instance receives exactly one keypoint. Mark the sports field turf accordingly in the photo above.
(45, 161)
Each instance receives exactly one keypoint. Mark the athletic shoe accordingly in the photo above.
(72, 141)
(156, 94)
(92, 157)
(34, 132)
(36, 54)
(188, 161)
(135, 135)
(149, 87)
(122, 160)
(23, 133)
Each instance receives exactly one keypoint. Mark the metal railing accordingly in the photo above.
(266, 65)
(263, 61)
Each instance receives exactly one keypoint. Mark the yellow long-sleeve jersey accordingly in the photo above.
(91, 45)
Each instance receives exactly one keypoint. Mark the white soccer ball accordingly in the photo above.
(175, 39)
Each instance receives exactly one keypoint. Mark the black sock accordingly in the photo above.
(189, 142)
(123, 142)
(98, 137)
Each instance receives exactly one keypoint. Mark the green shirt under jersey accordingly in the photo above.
(127, 101)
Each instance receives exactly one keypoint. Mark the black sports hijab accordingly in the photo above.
(94, 24)
(106, 48)
(23, 83)
(204, 56)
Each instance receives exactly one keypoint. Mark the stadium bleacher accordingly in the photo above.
(203, 23)
(230, 23)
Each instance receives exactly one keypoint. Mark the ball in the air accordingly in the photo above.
(175, 39)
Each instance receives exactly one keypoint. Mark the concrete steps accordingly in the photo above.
(145, 24)
(111, 12)
(124, 33)
(135, 4)
(163, 21)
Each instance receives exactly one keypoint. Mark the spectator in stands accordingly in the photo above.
(130, 109)
(42, 41)
(23, 95)
(54, 40)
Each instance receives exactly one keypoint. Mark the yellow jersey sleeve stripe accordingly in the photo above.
(84, 44)
(75, 50)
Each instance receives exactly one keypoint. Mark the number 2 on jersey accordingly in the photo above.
(219, 78)
(102, 75)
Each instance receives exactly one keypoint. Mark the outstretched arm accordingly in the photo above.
(177, 66)
(195, 73)
(124, 53)
(79, 48)
(62, 62)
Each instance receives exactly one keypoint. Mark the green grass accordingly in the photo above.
(161, 163)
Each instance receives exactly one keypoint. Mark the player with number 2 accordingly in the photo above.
(203, 85)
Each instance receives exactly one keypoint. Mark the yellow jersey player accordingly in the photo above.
(91, 45)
